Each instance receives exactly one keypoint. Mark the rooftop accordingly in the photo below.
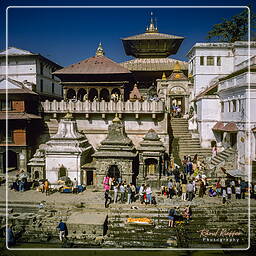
(98, 64)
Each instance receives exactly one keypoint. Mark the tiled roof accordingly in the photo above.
(153, 64)
(14, 87)
(94, 65)
(218, 126)
(12, 116)
(152, 36)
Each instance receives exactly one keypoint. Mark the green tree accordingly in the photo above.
(235, 29)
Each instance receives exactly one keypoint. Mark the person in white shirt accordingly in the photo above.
(115, 193)
(149, 194)
(229, 192)
(141, 193)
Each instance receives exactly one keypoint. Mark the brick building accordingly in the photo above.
(21, 111)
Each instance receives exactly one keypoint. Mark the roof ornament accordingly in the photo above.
(100, 51)
(116, 119)
(68, 116)
(163, 76)
(152, 26)
(177, 67)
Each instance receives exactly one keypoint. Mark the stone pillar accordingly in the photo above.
(65, 93)
(186, 103)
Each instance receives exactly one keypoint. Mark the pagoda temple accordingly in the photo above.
(151, 50)
(95, 78)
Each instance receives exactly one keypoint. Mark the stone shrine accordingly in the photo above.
(151, 155)
(116, 155)
(66, 152)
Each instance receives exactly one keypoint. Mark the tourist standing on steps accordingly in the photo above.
(106, 183)
(214, 151)
(141, 193)
(224, 195)
(171, 216)
(46, 187)
(229, 192)
(149, 194)
(201, 188)
(63, 230)
(129, 193)
(170, 189)
(184, 190)
(107, 198)
(190, 190)
(75, 186)
(115, 193)
(122, 191)
(238, 191)
(133, 188)
(243, 188)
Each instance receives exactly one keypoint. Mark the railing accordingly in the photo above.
(240, 80)
(103, 107)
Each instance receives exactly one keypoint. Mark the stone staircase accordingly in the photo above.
(183, 143)
(223, 156)
(38, 226)
(219, 219)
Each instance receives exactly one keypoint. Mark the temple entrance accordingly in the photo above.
(12, 163)
(62, 172)
(89, 177)
(151, 166)
(178, 101)
(113, 172)
(233, 140)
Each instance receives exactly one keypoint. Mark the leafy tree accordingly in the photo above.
(235, 29)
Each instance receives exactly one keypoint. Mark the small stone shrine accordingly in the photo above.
(66, 152)
(116, 155)
(151, 155)
(37, 164)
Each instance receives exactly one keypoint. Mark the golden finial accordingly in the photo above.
(100, 51)
(190, 76)
(116, 119)
(152, 28)
(176, 67)
(163, 76)
(68, 115)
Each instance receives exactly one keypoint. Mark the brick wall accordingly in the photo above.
(19, 138)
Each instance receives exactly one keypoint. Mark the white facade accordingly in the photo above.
(208, 61)
(34, 68)
(232, 103)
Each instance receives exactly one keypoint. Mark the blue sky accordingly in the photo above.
(72, 34)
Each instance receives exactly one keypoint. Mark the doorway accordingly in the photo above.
(89, 177)
(151, 166)
(113, 172)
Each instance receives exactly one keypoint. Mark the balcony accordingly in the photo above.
(103, 107)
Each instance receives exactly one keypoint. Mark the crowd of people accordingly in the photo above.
(126, 193)
(176, 111)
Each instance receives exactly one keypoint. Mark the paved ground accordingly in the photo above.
(90, 197)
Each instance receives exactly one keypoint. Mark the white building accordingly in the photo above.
(27, 67)
(223, 98)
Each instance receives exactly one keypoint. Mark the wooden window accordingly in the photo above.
(218, 61)
(6, 137)
(210, 60)
(3, 105)
(202, 60)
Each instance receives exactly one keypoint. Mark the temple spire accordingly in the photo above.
(100, 51)
(152, 27)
